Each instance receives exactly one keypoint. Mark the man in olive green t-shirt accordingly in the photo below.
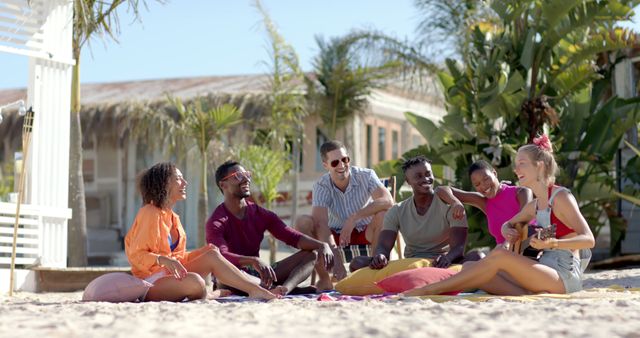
(425, 222)
(426, 235)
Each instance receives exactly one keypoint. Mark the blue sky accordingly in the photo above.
(185, 38)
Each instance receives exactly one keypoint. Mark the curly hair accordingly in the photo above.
(152, 183)
(410, 162)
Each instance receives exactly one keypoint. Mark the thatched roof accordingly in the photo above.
(112, 109)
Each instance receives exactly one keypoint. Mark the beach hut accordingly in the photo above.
(41, 31)
(115, 149)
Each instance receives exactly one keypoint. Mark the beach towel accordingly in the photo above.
(610, 292)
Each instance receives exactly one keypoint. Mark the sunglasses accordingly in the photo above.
(239, 175)
(344, 160)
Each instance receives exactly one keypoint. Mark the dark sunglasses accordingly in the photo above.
(239, 175)
(344, 160)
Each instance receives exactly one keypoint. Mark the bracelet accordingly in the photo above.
(555, 243)
(158, 260)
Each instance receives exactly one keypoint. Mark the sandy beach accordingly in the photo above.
(586, 314)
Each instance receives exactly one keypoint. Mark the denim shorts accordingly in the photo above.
(568, 267)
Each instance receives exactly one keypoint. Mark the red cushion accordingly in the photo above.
(415, 278)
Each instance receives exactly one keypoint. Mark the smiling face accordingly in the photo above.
(337, 164)
(420, 178)
(237, 182)
(176, 187)
(486, 182)
(527, 170)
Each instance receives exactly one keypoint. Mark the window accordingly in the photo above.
(369, 145)
(381, 143)
(89, 169)
(290, 146)
(394, 145)
(416, 141)
(320, 139)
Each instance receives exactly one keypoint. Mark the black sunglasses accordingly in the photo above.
(344, 160)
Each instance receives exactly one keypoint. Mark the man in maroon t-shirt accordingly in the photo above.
(237, 228)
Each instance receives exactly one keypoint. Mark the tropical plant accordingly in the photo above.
(342, 81)
(443, 27)
(6, 180)
(284, 126)
(268, 168)
(198, 125)
(91, 18)
(538, 68)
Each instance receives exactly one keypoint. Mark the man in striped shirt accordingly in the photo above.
(348, 207)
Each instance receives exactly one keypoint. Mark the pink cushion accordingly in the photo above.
(116, 287)
(415, 278)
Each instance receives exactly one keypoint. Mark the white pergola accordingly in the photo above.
(42, 31)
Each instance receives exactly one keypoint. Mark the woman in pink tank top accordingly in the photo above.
(497, 200)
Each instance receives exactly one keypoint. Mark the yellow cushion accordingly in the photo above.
(362, 282)
(455, 267)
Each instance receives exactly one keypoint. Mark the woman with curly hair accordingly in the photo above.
(559, 268)
(156, 245)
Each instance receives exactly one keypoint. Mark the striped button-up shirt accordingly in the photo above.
(340, 205)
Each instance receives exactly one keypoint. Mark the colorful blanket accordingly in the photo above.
(610, 292)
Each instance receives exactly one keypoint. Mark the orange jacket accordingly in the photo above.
(149, 237)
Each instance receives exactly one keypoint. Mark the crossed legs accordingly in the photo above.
(193, 285)
(290, 272)
(503, 273)
(294, 270)
(308, 226)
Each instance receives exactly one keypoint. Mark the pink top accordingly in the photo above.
(502, 208)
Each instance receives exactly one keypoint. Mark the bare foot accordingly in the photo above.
(423, 291)
(219, 293)
(324, 285)
(339, 272)
(261, 293)
(280, 290)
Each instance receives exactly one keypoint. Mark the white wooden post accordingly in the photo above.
(49, 93)
(42, 31)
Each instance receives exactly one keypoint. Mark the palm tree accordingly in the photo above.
(269, 167)
(199, 125)
(342, 81)
(443, 27)
(90, 18)
(286, 102)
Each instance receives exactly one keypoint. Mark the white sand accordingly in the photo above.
(64, 315)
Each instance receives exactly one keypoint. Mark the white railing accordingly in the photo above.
(42, 235)
(25, 28)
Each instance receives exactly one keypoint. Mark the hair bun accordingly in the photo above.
(543, 142)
